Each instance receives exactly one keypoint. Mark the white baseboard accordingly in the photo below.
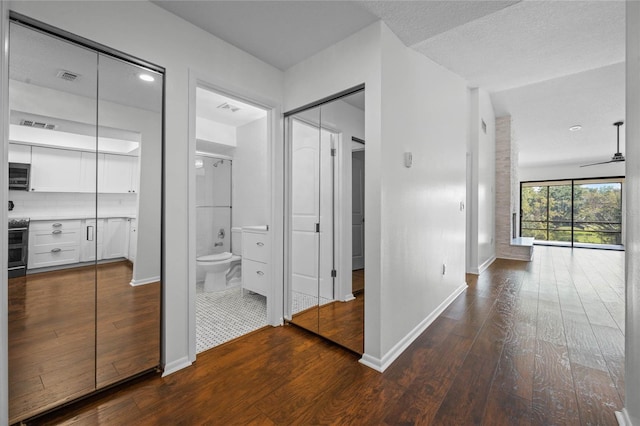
(486, 264)
(144, 281)
(623, 418)
(348, 298)
(388, 358)
(176, 365)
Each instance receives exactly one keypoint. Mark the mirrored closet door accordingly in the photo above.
(319, 294)
(84, 290)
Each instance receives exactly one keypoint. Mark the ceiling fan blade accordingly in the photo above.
(603, 162)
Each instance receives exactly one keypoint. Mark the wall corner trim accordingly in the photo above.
(176, 365)
(144, 281)
(381, 364)
(623, 418)
(486, 264)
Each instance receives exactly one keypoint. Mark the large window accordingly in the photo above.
(585, 212)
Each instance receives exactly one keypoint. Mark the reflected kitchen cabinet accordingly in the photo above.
(85, 313)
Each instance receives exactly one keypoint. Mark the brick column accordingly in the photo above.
(507, 192)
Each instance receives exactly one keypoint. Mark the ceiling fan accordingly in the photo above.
(617, 157)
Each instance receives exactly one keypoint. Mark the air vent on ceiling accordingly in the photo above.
(229, 107)
(37, 124)
(67, 75)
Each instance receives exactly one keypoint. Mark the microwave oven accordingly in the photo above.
(19, 176)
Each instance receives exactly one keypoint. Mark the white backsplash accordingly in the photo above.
(64, 204)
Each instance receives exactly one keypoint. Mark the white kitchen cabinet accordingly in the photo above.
(118, 174)
(88, 163)
(55, 170)
(133, 240)
(92, 240)
(256, 251)
(19, 153)
(115, 243)
(53, 243)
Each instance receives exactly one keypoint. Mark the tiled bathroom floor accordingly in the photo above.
(301, 302)
(224, 315)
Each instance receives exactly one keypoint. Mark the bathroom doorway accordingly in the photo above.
(232, 206)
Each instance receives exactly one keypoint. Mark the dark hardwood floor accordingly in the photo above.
(537, 343)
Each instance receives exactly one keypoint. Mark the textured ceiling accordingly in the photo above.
(416, 21)
(549, 64)
(532, 41)
(281, 33)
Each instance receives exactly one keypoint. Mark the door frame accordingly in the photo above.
(275, 172)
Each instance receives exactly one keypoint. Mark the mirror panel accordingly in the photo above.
(85, 156)
(304, 151)
(326, 167)
(51, 313)
(129, 162)
(341, 312)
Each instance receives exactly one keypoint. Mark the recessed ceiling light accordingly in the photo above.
(146, 77)
(575, 128)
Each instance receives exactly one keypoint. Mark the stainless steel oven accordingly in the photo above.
(18, 247)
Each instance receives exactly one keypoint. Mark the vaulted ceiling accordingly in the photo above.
(548, 64)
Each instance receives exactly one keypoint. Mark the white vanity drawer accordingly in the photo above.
(255, 276)
(255, 246)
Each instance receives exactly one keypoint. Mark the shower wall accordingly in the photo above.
(213, 205)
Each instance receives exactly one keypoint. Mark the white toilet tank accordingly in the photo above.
(236, 241)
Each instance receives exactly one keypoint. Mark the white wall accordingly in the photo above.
(251, 190)
(212, 131)
(144, 30)
(351, 62)
(481, 195)
(425, 112)
(414, 222)
(631, 412)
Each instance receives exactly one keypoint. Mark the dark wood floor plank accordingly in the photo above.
(597, 396)
(554, 395)
(515, 348)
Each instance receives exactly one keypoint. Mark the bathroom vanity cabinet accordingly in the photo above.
(256, 252)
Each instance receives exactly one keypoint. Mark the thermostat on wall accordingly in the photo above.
(408, 159)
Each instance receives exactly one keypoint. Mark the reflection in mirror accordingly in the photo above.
(52, 313)
(327, 167)
(128, 279)
(85, 228)
(304, 222)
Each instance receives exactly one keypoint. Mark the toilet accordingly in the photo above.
(222, 270)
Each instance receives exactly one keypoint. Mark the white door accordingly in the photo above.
(357, 206)
(305, 209)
